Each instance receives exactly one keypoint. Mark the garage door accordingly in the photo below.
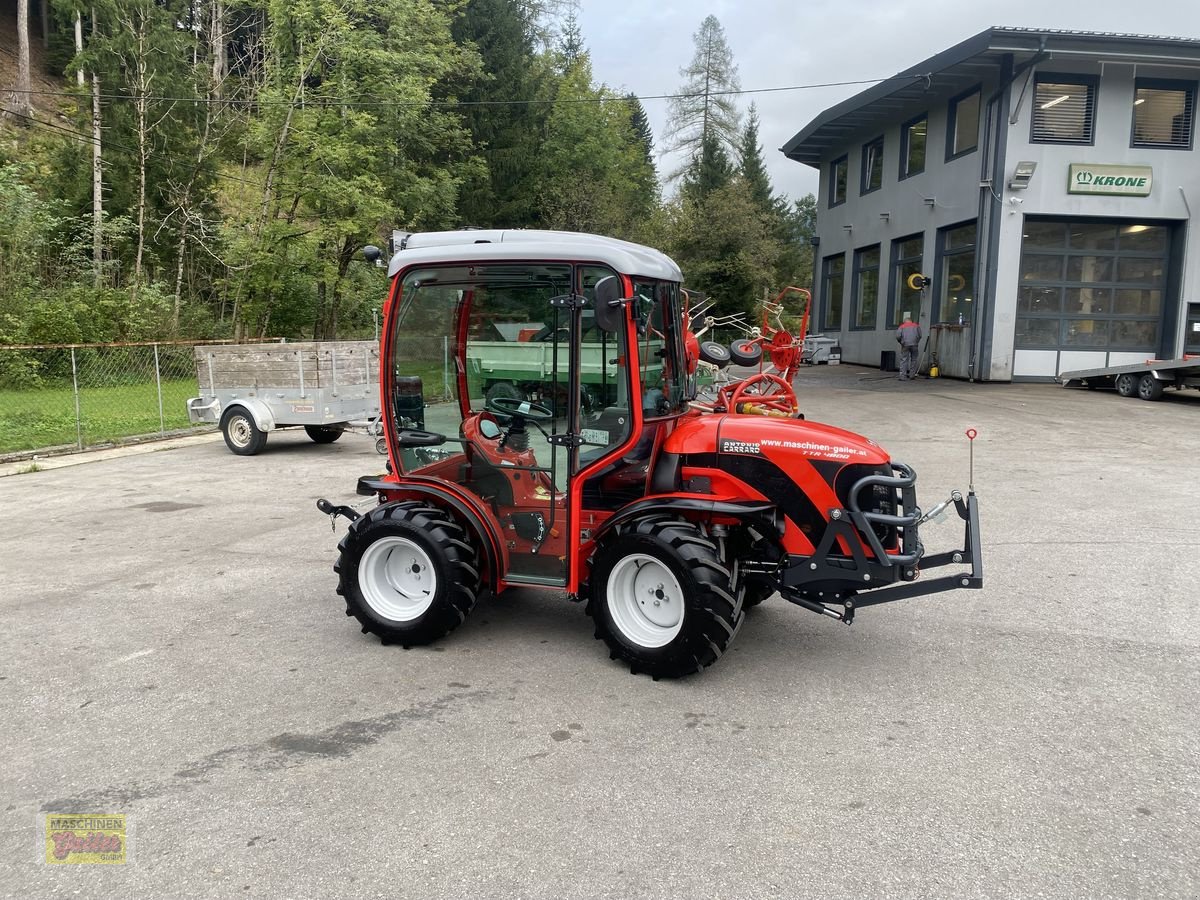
(1091, 288)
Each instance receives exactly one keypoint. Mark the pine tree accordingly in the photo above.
(710, 171)
(507, 133)
(704, 117)
(570, 45)
(752, 167)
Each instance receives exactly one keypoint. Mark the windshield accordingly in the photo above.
(660, 348)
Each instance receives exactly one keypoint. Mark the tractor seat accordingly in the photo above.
(485, 478)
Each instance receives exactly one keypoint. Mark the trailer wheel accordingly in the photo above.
(1127, 384)
(504, 390)
(242, 435)
(1149, 387)
(324, 434)
(407, 573)
(662, 598)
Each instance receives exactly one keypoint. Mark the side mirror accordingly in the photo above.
(372, 254)
(609, 305)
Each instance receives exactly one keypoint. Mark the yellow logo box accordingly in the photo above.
(96, 839)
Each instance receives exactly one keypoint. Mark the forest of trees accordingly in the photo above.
(212, 168)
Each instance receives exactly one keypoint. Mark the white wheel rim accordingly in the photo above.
(645, 601)
(397, 579)
(239, 431)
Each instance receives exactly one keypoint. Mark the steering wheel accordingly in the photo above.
(768, 391)
(512, 407)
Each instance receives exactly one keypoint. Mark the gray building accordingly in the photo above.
(1043, 181)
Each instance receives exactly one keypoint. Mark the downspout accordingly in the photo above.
(1182, 315)
(983, 315)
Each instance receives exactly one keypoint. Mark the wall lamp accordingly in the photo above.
(848, 228)
(1022, 175)
(931, 202)
(886, 216)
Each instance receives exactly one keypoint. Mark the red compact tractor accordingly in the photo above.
(568, 454)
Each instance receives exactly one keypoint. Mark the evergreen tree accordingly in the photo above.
(570, 45)
(506, 133)
(752, 167)
(705, 116)
(795, 266)
(646, 171)
(725, 244)
(711, 170)
(641, 126)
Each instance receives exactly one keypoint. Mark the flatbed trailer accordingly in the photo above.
(1146, 380)
(249, 390)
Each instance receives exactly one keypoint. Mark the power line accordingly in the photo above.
(455, 104)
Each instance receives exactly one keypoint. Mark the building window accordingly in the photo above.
(956, 284)
(962, 133)
(907, 254)
(833, 281)
(912, 146)
(1064, 110)
(1162, 113)
(1091, 285)
(866, 287)
(838, 171)
(872, 166)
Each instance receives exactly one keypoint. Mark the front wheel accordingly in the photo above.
(1127, 384)
(663, 598)
(407, 573)
(756, 590)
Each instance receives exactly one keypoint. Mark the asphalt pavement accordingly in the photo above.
(173, 650)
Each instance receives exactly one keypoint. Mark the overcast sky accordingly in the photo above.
(640, 45)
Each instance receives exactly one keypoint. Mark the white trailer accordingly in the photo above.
(253, 389)
(1146, 380)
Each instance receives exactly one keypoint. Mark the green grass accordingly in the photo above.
(33, 419)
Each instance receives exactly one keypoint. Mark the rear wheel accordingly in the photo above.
(407, 573)
(324, 434)
(1149, 387)
(242, 435)
(663, 598)
(1127, 384)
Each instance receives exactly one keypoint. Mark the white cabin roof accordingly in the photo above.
(512, 245)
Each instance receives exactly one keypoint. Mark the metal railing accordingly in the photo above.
(76, 396)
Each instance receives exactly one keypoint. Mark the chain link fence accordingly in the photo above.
(77, 396)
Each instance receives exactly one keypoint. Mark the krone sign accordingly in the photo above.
(1124, 181)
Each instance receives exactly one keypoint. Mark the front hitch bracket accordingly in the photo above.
(333, 511)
